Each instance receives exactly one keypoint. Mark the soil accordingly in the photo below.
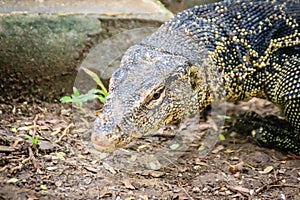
(63, 165)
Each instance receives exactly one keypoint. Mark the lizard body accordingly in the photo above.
(231, 50)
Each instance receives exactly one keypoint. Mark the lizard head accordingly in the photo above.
(150, 89)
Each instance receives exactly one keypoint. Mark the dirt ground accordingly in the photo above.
(63, 165)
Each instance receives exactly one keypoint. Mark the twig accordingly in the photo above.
(244, 191)
(65, 133)
(4, 168)
(32, 158)
(56, 131)
(189, 196)
(34, 124)
(25, 160)
(285, 185)
(266, 186)
(19, 167)
(6, 148)
(86, 123)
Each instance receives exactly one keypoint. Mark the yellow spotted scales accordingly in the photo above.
(248, 48)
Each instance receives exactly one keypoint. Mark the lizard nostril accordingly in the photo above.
(118, 128)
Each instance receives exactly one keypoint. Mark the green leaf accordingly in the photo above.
(76, 92)
(101, 99)
(79, 104)
(34, 140)
(96, 91)
(222, 137)
(78, 98)
(85, 97)
(26, 136)
(201, 147)
(96, 79)
(66, 99)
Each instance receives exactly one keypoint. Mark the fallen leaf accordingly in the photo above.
(240, 166)
(128, 184)
(91, 169)
(267, 170)
(51, 168)
(88, 181)
(142, 146)
(25, 128)
(232, 169)
(14, 129)
(81, 156)
(43, 187)
(145, 197)
(31, 197)
(174, 146)
(222, 137)
(13, 180)
(217, 149)
(58, 183)
(201, 147)
(203, 126)
(109, 168)
(228, 151)
(129, 198)
(60, 156)
(201, 163)
(156, 174)
(196, 190)
(239, 189)
(183, 197)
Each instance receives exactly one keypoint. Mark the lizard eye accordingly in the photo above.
(154, 99)
(158, 93)
(156, 96)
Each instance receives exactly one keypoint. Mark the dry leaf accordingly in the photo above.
(128, 184)
(267, 170)
(109, 168)
(13, 180)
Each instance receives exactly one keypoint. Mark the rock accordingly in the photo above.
(179, 5)
(46, 146)
(44, 42)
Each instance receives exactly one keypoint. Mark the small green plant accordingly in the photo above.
(78, 98)
(34, 140)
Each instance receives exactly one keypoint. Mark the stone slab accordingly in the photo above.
(43, 42)
(142, 9)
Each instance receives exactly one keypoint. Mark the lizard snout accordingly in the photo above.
(104, 133)
(102, 143)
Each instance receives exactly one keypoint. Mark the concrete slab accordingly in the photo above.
(141, 9)
(43, 42)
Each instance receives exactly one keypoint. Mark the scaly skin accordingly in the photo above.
(232, 50)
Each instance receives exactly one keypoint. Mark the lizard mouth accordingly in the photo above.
(102, 143)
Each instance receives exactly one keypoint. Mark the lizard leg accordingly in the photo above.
(270, 132)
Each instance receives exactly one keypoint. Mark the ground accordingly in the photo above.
(63, 165)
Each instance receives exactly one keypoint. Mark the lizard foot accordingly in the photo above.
(269, 131)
